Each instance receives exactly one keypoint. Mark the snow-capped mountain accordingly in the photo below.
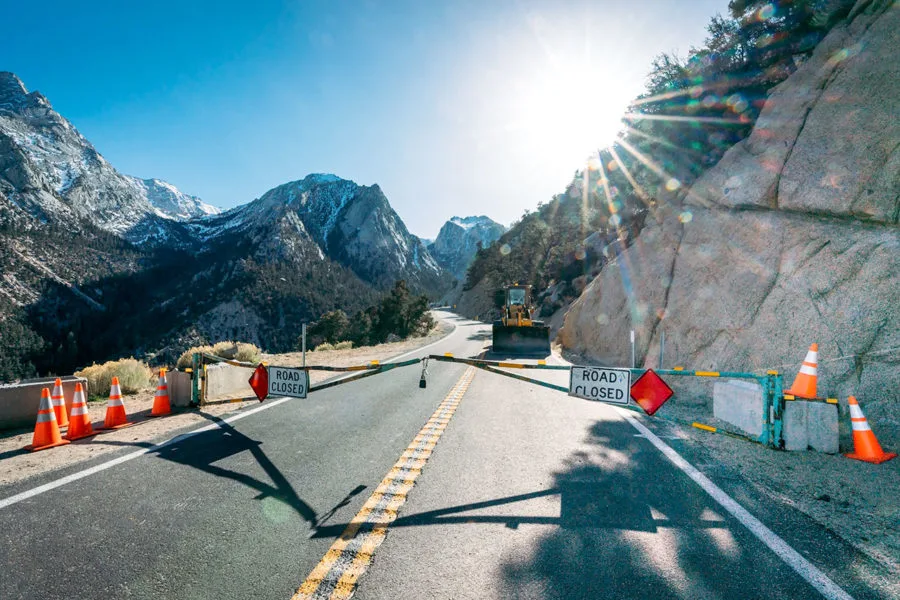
(83, 246)
(459, 239)
(50, 174)
(173, 202)
(324, 216)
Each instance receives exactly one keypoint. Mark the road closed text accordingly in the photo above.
(597, 383)
(288, 382)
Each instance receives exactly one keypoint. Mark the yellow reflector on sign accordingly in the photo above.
(448, 354)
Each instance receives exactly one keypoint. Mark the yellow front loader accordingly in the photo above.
(517, 332)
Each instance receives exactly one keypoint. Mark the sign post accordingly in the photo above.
(279, 381)
(600, 383)
(303, 330)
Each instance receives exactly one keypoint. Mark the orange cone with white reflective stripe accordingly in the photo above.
(46, 430)
(79, 421)
(804, 385)
(865, 444)
(115, 408)
(58, 399)
(161, 406)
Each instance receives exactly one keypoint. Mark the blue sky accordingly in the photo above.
(454, 107)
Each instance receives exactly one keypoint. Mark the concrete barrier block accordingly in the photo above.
(19, 401)
(227, 382)
(795, 432)
(739, 403)
(822, 425)
(179, 388)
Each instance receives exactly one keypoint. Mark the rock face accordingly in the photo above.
(324, 217)
(792, 238)
(49, 173)
(459, 238)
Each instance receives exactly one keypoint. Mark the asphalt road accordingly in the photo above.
(528, 494)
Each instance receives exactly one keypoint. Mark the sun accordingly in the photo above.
(568, 107)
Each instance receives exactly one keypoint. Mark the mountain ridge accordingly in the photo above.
(83, 246)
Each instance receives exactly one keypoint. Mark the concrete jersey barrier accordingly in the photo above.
(19, 401)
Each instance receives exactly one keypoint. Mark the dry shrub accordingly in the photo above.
(133, 375)
(230, 350)
(326, 347)
(343, 345)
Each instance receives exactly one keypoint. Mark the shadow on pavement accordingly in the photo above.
(199, 453)
(631, 526)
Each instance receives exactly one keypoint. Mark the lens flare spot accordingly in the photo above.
(612, 165)
(505, 249)
(615, 220)
(275, 510)
(603, 319)
(686, 217)
(710, 100)
(673, 184)
(580, 253)
(766, 12)
(696, 91)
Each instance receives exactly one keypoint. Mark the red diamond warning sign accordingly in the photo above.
(259, 381)
(650, 392)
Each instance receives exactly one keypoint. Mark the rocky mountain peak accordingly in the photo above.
(14, 95)
(458, 241)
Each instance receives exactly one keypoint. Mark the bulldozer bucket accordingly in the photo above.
(521, 340)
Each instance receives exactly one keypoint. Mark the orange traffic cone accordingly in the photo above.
(804, 385)
(59, 403)
(46, 430)
(115, 409)
(161, 404)
(865, 444)
(80, 425)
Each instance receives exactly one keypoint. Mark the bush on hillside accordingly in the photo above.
(399, 314)
(134, 376)
(326, 347)
(239, 351)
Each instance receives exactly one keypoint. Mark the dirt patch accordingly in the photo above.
(17, 464)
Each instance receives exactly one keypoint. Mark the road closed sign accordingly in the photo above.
(284, 381)
(600, 383)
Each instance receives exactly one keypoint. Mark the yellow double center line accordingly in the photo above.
(335, 577)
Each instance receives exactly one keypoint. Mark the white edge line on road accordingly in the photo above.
(5, 502)
(127, 457)
(785, 552)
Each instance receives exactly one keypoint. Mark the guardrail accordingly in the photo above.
(771, 383)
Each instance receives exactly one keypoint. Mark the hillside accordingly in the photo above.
(791, 239)
(694, 110)
(97, 264)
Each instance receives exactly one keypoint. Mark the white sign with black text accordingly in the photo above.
(600, 383)
(288, 382)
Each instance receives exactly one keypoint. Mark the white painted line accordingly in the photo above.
(803, 567)
(5, 502)
(127, 457)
